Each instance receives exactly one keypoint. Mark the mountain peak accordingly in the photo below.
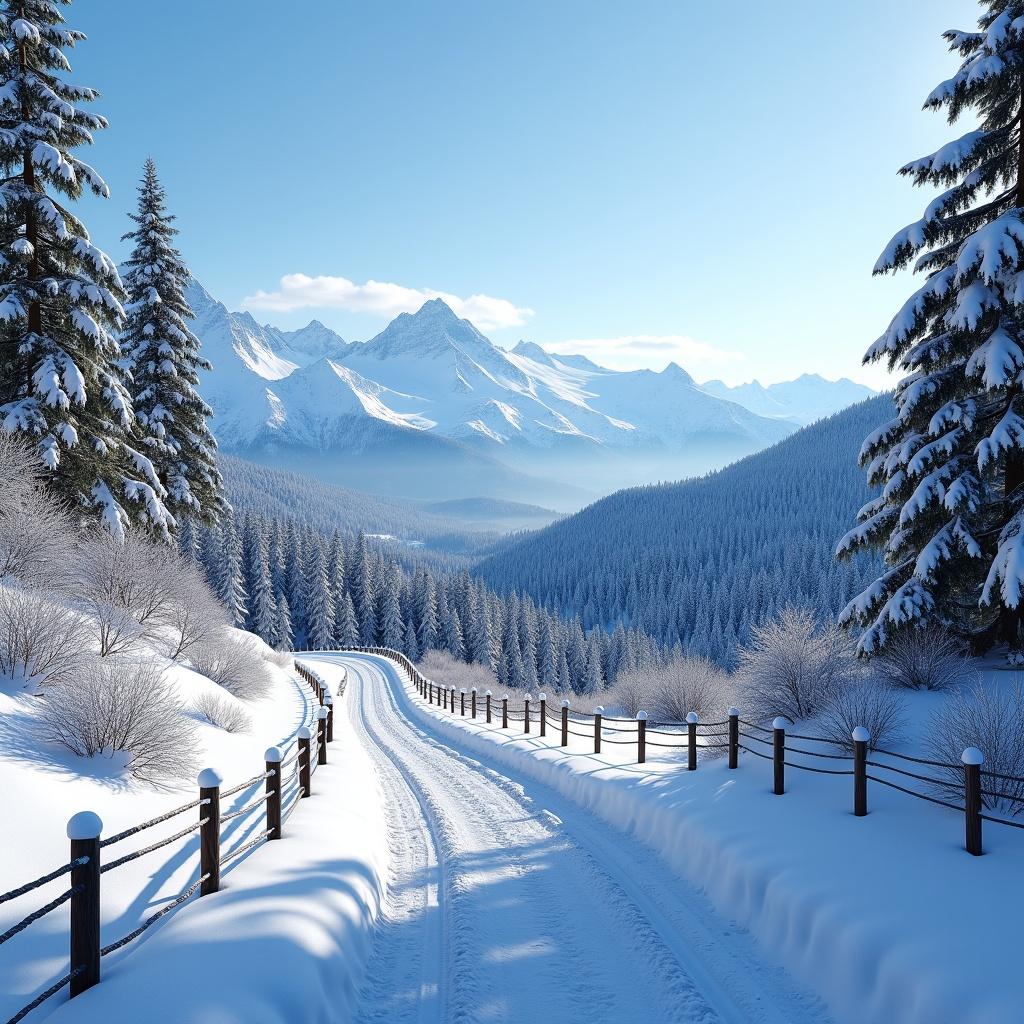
(434, 310)
(531, 350)
(675, 372)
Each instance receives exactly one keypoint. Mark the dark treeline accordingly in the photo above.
(295, 585)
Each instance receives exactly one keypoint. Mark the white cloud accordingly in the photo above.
(300, 291)
(645, 351)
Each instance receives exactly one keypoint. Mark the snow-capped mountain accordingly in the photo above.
(804, 400)
(432, 397)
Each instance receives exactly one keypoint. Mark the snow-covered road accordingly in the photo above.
(507, 902)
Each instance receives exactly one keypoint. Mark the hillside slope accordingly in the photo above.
(699, 562)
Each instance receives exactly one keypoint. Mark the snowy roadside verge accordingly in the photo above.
(287, 936)
(885, 917)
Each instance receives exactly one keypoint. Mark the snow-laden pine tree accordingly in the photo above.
(61, 382)
(951, 462)
(346, 629)
(164, 360)
(319, 602)
(283, 627)
(227, 581)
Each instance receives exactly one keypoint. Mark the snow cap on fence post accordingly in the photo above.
(733, 712)
(972, 755)
(273, 755)
(641, 716)
(565, 704)
(209, 778)
(860, 735)
(84, 825)
(599, 710)
(692, 719)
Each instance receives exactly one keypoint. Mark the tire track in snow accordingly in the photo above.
(405, 978)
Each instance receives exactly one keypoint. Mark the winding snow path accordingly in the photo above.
(507, 902)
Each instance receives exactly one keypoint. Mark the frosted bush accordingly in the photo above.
(633, 692)
(864, 701)
(441, 667)
(690, 684)
(36, 531)
(923, 659)
(41, 641)
(194, 615)
(130, 589)
(793, 665)
(992, 720)
(118, 707)
(234, 662)
(223, 711)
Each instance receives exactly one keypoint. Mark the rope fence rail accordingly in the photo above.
(84, 831)
(965, 778)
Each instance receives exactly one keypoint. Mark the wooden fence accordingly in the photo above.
(86, 865)
(966, 787)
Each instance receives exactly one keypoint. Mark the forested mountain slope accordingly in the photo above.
(700, 561)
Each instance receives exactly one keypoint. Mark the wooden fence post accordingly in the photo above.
(565, 723)
(273, 760)
(598, 712)
(488, 696)
(526, 714)
(305, 766)
(691, 741)
(209, 833)
(473, 701)
(452, 703)
(860, 737)
(779, 755)
(462, 702)
(543, 714)
(973, 759)
(329, 704)
(734, 737)
(84, 831)
(321, 736)
(504, 712)
(641, 736)
(430, 693)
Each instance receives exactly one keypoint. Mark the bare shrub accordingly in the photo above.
(441, 667)
(866, 702)
(633, 691)
(41, 641)
(131, 588)
(194, 615)
(993, 721)
(36, 530)
(793, 665)
(223, 711)
(234, 662)
(690, 684)
(923, 659)
(117, 707)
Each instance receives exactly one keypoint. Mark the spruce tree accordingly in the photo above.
(61, 382)
(318, 600)
(164, 360)
(283, 628)
(951, 462)
(346, 629)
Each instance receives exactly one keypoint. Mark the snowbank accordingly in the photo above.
(290, 927)
(886, 917)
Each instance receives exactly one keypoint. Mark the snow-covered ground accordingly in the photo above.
(885, 917)
(445, 870)
(290, 927)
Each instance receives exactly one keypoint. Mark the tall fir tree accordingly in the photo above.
(164, 360)
(283, 628)
(346, 629)
(228, 582)
(318, 600)
(950, 519)
(61, 381)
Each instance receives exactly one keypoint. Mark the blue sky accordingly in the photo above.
(705, 182)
